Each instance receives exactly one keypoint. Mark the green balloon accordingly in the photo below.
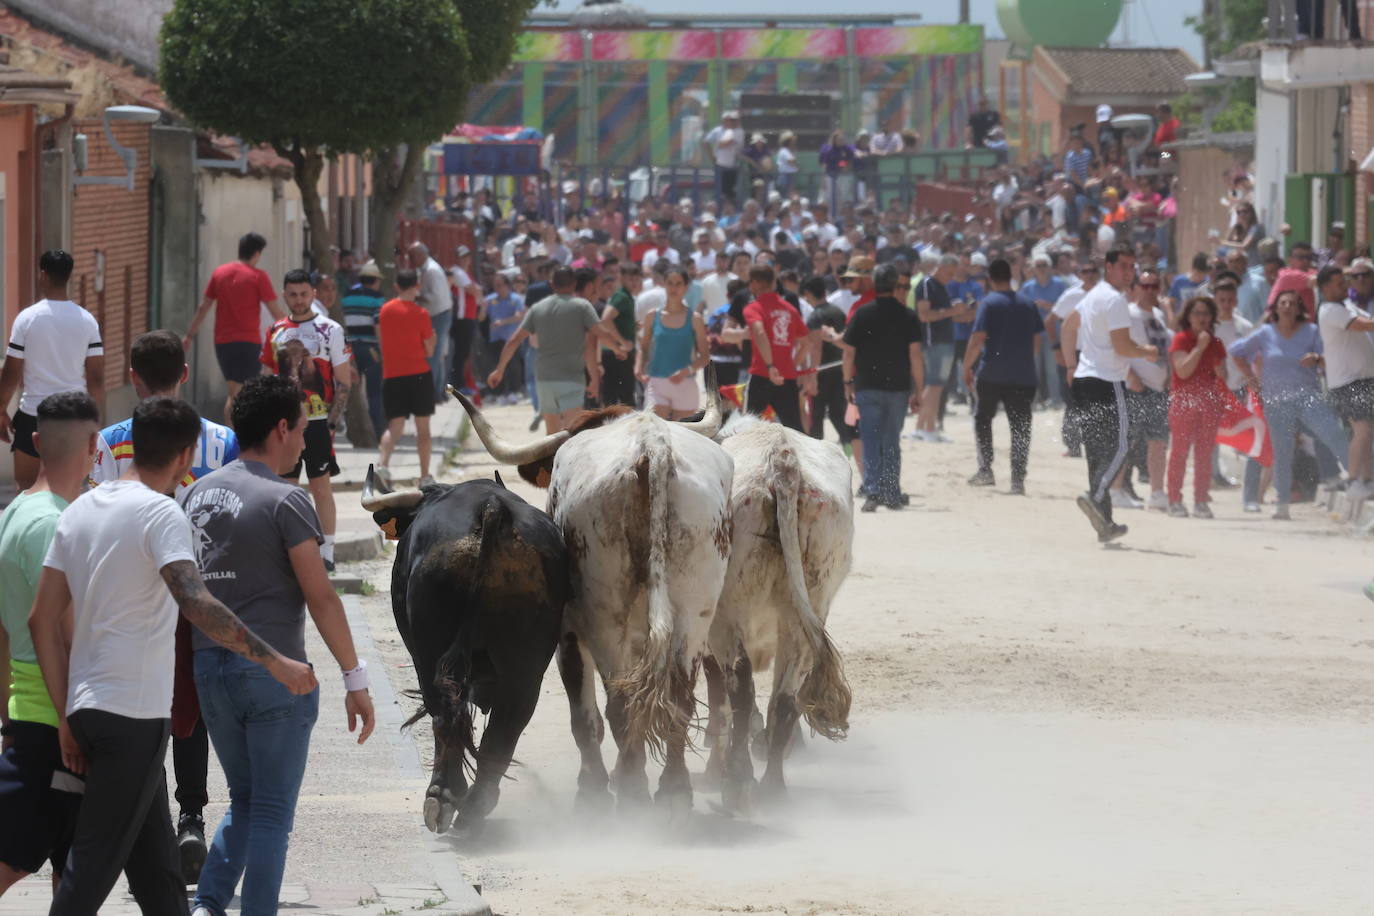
(1059, 23)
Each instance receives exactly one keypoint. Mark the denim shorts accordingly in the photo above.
(938, 359)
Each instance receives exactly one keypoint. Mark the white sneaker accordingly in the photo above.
(1252, 507)
(1358, 492)
(1158, 500)
(937, 437)
(1122, 500)
(201, 911)
(427, 481)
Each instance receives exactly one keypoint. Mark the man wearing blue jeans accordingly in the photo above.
(883, 376)
(256, 541)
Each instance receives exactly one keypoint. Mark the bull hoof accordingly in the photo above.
(633, 801)
(593, 801)
(772, 792)
(711, 776)
(736, 795)
(676, 803)
(438, 814)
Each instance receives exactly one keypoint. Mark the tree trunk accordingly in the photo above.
(393, 172)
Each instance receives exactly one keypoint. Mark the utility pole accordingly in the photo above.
(963, 12)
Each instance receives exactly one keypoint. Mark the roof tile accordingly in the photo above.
(1123, 71)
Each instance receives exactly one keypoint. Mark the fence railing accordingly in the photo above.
(1295, 20)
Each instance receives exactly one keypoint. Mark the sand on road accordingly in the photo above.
(1181, 723)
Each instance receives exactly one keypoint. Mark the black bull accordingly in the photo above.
(478, 589)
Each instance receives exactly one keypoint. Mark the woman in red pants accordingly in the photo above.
(1195, 402)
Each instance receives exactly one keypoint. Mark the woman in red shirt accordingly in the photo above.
(1195, 402)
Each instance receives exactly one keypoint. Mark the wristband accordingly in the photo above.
(806, 372)
(357, 678)
(849, 381)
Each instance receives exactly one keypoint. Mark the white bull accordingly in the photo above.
(793, 517)
(644, 509)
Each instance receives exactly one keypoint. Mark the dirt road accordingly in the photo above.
(1177, 724)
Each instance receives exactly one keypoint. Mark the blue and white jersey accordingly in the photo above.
(114, 452)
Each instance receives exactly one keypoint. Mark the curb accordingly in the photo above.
(463, 899)
(356, 546)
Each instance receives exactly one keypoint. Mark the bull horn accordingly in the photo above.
(709, 424)
(498, 447)
(373, 501)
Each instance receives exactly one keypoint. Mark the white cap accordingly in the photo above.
(1104, 113)
(978, 259)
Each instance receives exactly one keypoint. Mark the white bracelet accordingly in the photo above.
(357, 678)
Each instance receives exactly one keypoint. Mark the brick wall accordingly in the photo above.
(114, 223)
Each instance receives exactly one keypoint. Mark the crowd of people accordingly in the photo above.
(833, 318)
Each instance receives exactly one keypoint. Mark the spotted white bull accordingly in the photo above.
(644, 509)
(793, 517)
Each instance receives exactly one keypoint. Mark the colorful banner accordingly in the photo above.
(558, 46)
(681, 45)
(918, 39)
(772, 44)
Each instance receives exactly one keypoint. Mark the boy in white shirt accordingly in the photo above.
(122, 560)
(54, 346)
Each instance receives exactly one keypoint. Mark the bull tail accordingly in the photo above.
(824, 697)
(453, 675)
(650, 687)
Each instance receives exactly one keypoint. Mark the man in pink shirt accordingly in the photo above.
(1298, 275)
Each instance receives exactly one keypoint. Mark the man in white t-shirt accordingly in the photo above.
(726, 141)
(703, 255)
(1349, 352)
(715, 283)
(54, 346)
(1066, 351)
(1099, 384)
(120, 567)
(1147, 398)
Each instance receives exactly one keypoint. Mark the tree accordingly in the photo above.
(315, 78)
(1238, 22)
(493, 27)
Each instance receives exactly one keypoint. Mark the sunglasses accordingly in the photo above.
(1148, 285)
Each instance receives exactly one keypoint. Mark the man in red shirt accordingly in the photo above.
(407, 341)
(1168, 125)
(775, 328)
(1298, 275)
(240, 290)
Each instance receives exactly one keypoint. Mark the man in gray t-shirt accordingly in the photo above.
(256, 540)
(568, 361)
(244, 520)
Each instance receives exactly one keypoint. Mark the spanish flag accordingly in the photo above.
(734, 394)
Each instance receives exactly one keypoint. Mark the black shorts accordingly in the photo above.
(238, 360)
(318, 457)
(1148, 412)
(29, 772)
(408, 396)
(25, 425)
(1354, 401)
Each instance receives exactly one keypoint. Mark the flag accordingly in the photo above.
(1244, 429)
(734, 395)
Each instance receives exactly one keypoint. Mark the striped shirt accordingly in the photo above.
(360, 308)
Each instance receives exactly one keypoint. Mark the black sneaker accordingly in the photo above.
(329, 566)
(534, 424)
(191, 845)
(983, 478)
(1112, 532)
(871, 504)
(1085, 505)
(895, 504)
(1018, 488)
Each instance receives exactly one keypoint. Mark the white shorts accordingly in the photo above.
(682, 396)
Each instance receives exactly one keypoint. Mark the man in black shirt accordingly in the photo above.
(980, 123)
(883, 376)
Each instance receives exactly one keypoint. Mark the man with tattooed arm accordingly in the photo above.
(120, 567)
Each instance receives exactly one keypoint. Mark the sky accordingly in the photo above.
(1154, 23)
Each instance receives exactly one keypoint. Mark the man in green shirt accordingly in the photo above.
(35, 790)
(618, 371)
